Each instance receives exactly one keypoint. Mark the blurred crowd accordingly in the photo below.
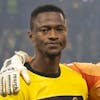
(83, 30)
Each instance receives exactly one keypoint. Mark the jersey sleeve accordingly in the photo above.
(91, 73)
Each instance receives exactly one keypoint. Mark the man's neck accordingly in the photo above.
(46, 64)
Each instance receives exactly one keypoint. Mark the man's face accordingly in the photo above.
(49, 33)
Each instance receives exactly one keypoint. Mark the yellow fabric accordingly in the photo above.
(69, 84)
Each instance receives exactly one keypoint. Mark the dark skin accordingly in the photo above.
(49, 39)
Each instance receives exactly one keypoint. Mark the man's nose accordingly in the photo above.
(53, 34)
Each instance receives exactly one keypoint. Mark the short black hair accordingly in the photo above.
(44, 8)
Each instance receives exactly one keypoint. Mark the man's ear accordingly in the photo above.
(31, 36)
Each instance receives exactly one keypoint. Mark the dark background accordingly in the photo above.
(83, 25)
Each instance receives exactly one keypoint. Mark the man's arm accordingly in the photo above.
(91, 73)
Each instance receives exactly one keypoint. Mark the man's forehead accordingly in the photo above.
(50, 17)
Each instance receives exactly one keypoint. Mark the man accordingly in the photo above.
(48, 77)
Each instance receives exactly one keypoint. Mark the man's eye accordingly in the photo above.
(44, 30)
(60, 29)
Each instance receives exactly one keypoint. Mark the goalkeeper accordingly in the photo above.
(48, 34)
(16, 66)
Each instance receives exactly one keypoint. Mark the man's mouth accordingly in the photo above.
(53, 44)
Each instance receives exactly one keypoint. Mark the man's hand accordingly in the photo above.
(9, 81)
(10, 73)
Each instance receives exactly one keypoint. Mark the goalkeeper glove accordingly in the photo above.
(10, 73)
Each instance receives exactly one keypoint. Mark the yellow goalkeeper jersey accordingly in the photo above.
(67, 85)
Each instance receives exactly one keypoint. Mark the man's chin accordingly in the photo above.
(53, 54)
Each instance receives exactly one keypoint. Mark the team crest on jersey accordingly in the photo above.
(75, 98)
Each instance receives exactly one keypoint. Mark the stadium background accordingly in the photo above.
(83, 28)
